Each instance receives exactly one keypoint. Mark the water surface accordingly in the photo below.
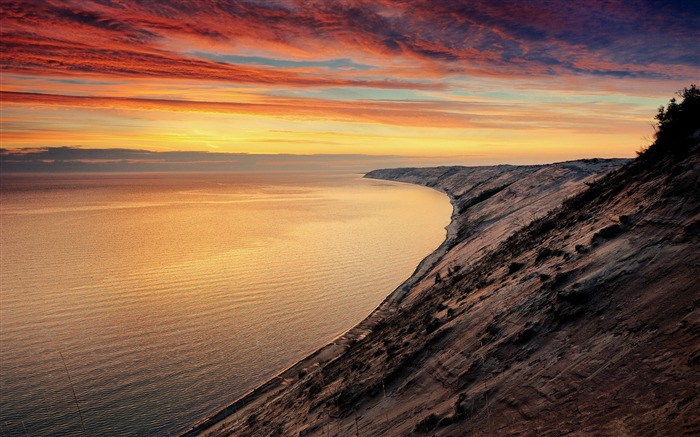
(171, 295)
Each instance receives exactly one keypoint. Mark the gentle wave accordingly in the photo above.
(167, 304)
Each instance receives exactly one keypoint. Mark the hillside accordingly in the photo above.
(563, 302)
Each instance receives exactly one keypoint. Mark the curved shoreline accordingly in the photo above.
(336, 348)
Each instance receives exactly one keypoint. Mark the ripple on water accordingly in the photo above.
(170, 300)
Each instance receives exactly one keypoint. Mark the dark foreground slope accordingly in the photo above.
(584, 320)
(491, 203)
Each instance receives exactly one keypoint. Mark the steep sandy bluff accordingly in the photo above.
(537, 318)
(585, 322)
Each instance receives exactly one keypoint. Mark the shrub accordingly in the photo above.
(625, 220)
(608, 232)
(525, 335)
(433, 325)
(462, 406)
(543, 254)
(429, 423)
(514, 267)
(677, 124)
(484, 195)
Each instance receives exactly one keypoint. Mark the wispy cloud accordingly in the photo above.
(487, 37)
(423, 113)
(389, 63)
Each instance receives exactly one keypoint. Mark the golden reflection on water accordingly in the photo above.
(171, 295)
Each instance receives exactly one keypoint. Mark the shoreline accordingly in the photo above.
(451, 353)
(336, 348)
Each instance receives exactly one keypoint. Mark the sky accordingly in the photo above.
(432, 82)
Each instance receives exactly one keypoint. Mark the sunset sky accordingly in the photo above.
(467, 82)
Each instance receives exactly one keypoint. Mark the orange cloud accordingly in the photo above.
(392, 113)
(29, 56)
(481, 37)
(482, 73)
(451, 114)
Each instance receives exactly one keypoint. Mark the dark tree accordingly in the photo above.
(678, 124)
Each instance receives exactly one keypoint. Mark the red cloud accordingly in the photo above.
(31, 56)
(130, 38)
(427, 114)
(419, 113)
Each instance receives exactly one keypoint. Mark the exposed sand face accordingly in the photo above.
(585, 322)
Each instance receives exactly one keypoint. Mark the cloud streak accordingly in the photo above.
(225, 73)
(31, 56)
(132, 38)
(420, 113)
(393, 113)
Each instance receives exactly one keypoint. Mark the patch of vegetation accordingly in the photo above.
(546, 252)
(694, 359)
(543, 254)
(314, 389)
(575, 296)
(677, 125)
(392, 349)
(359, 365)
(472, 374)
(433, 325)
(453, 270)
(491, 333)
(525, 335)
(429, 423)
(607, 233)
(466, 406)
(580, 248)
(462, 405)
(484, 195)
(572, 304)
(514, 267)
(559, 279)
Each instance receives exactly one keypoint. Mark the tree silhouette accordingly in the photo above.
(678, 124)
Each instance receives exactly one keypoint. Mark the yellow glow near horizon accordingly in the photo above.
(503, 133)
(422, 84)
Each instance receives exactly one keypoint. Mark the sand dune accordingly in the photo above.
(564, 301)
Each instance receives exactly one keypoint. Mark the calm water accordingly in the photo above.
(170, 296)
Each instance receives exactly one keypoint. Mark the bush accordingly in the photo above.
(543, 254)
(434, 324)
(429, 423)
(607, 232)
(484, 195)
(514, 267)
(677, 124)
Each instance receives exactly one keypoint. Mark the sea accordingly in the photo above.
(138, 304)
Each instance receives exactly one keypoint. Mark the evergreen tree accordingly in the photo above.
(678, 124)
